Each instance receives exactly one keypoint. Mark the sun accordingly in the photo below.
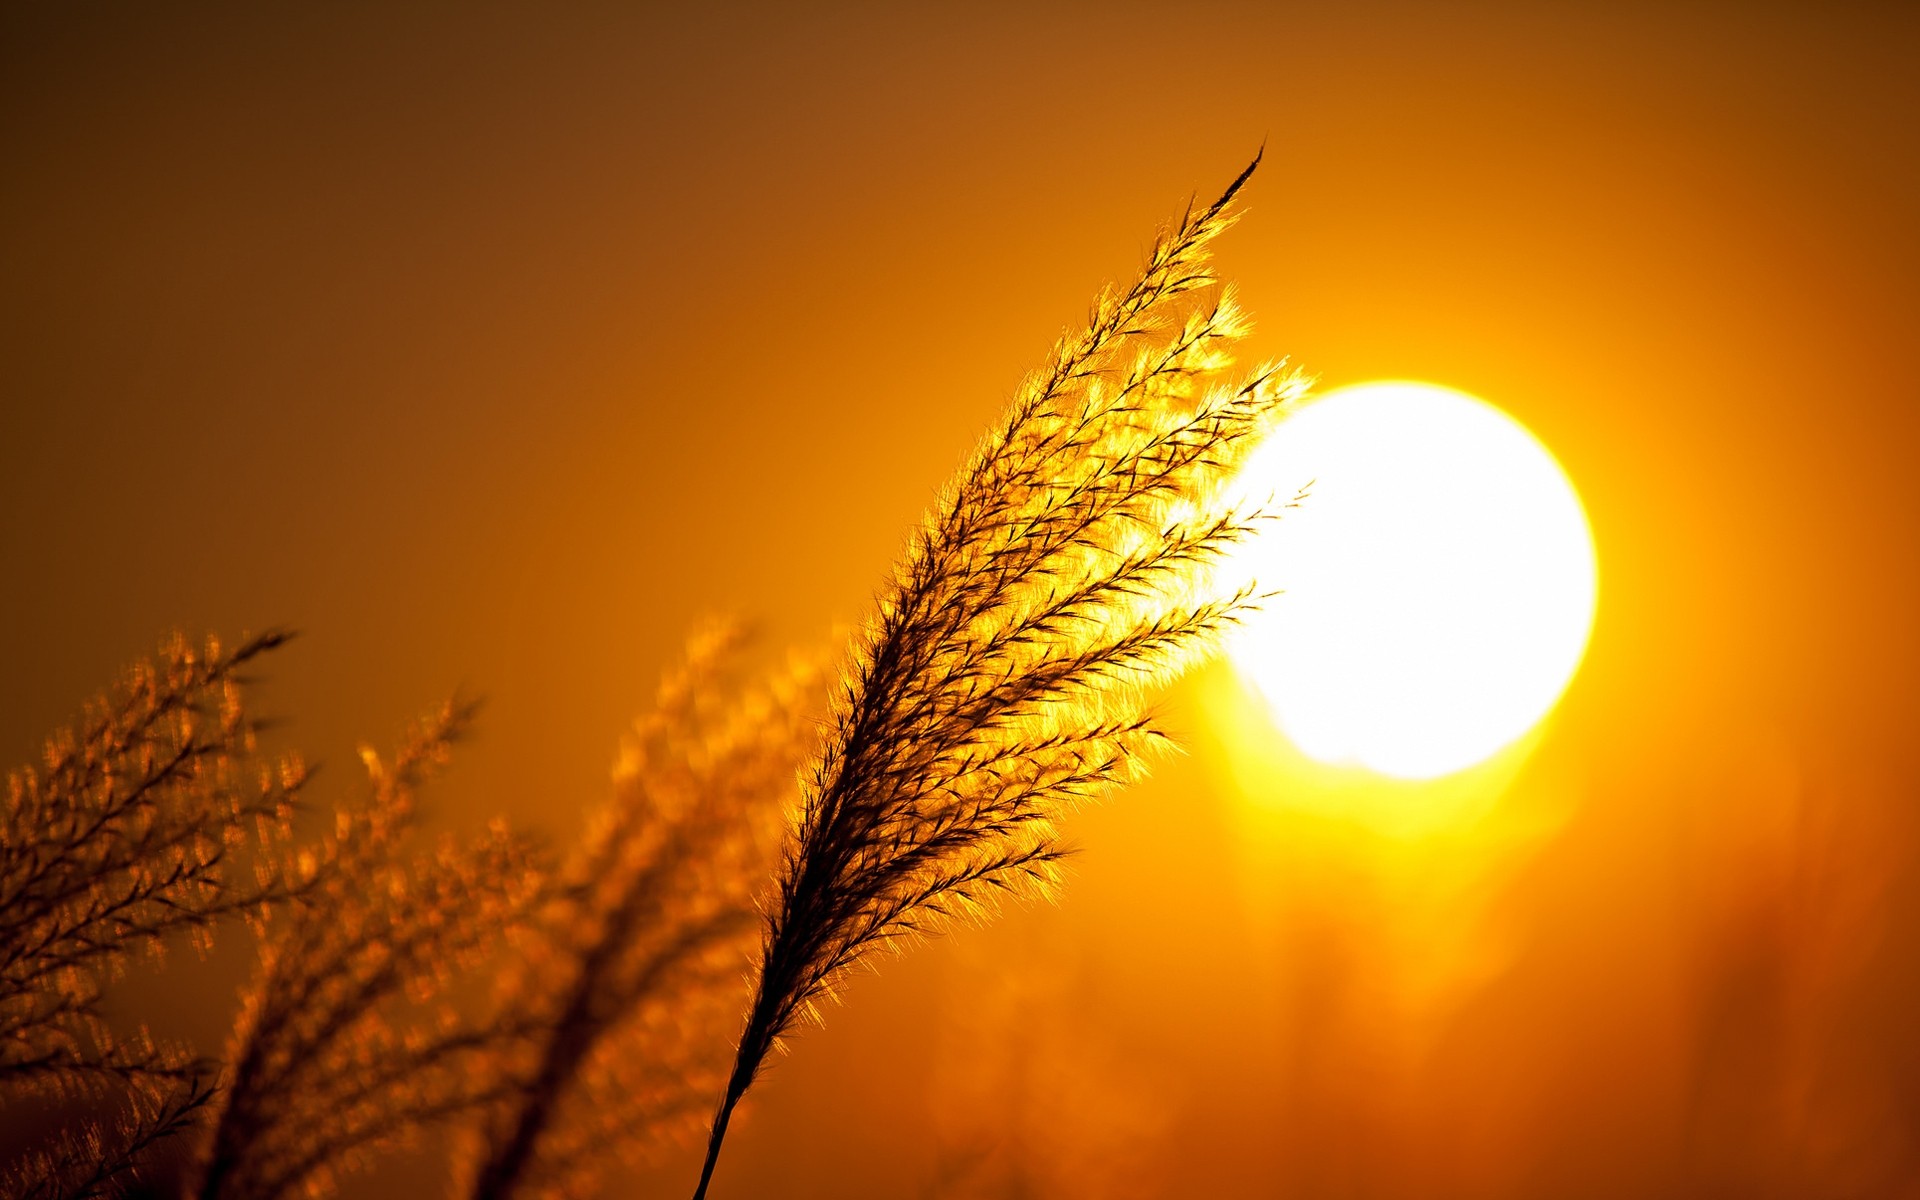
(1437, 585)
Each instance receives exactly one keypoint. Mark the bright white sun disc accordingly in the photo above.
(1437, 584)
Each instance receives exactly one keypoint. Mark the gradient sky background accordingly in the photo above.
(493, 346)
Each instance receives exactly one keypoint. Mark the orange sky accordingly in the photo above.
(491, 348)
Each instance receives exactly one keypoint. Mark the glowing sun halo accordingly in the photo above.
(1438, 583)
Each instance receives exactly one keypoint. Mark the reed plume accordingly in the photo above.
(346, 1042)
(151, 817)
(1003, 680)
(631, 979)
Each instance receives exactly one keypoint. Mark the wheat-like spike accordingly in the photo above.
(631, 978)
(344, 1045)
(1061, 576)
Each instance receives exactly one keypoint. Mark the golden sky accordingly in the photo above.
(491, 347)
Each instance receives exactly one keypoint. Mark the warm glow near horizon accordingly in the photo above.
(1438, 584)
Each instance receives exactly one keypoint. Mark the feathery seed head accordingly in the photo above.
(1063, 574)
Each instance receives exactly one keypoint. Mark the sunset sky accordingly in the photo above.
(492, 347)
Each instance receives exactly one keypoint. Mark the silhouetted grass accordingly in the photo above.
(340, 1048)
(151, 817)
(630, 980)
(1062, 575)
(102, 1157)
(1063, 571)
